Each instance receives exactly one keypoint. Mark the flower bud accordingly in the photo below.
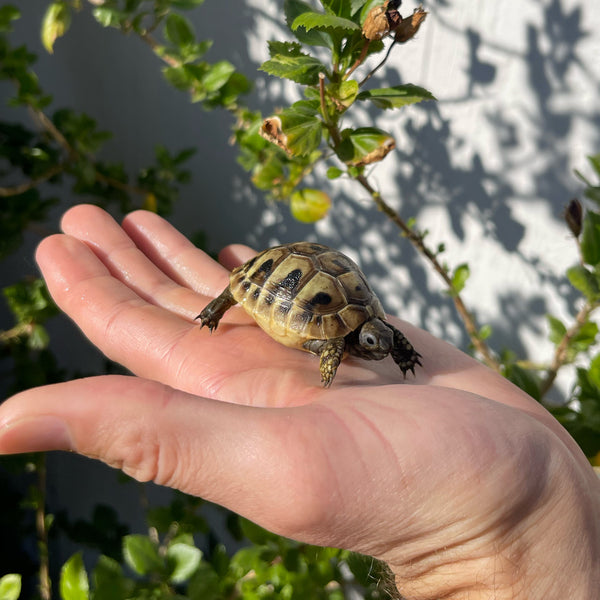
(573, 216)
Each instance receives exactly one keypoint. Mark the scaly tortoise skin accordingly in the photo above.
(310, 297)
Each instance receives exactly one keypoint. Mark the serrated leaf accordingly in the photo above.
(141, 554)
(179, 30)
(184, 559)
(364, 145)
(590, 238)
(302, 127)
(294, 8)
(10, 586)
(585, 281)
(74, 584)
(55, 24)
(397, 96)
(557, 329)
(313, 20)
(287, 60)
(309, 206)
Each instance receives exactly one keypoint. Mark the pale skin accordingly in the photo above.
(463, 484)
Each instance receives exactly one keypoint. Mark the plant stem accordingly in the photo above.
(45, 586)
(561, 352)
(416, 240)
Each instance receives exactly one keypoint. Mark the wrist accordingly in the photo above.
(550, 553)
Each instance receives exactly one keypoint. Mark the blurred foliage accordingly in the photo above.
(181, 556)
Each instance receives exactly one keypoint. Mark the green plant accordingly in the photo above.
(326, 61)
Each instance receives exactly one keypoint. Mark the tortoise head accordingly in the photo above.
(375, 340)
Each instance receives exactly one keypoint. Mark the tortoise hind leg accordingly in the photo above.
(212, 313)
(330, 353)
(403, 353)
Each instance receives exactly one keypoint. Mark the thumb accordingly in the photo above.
(251, 460)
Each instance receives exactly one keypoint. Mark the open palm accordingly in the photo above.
(445, 475)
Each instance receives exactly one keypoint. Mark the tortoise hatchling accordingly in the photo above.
(316, 299)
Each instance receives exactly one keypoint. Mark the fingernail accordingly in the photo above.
(35, 434)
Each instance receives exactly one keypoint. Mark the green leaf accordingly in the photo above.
(397, 96)
(313, 20)
(594, 160)
(179, 30)
(302, 127)
(524, 379)
(141, 554)
(345, 92)
(109, 581)
(584, 338)
(55, 24)
(74, 583)
(186, 4)
(459, 278)
(8, 14)
(590, 238)
(557, 329)
(585, 281)
(108, 16)
(184, 560)
(294, 8)
(218, 75)
(334, 173)
(309, 206)
(10, 586)
(364, 145)
(287, 60)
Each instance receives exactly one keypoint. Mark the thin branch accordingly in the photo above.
(41, 526)
(370, 74)
(21, 188)
(417, 241)
(562, 349)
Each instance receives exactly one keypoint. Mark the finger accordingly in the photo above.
(257, 462)
(127, 262)
(234, 255)
(174, 254)
(157, 344)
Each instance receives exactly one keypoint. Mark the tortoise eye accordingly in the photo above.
(370, 340)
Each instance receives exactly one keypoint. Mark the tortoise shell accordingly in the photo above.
(303, 291)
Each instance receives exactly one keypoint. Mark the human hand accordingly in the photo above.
(461, 482)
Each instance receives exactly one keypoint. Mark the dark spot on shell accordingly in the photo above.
(290, 281)
(269, 299)
(318, 319)
(256, 293)
(266, 267)
(358, 288)
(321, 298)
(246, 285)
(316, 247)
(251, 262)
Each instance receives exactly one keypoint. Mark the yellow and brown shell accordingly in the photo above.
(303, 291)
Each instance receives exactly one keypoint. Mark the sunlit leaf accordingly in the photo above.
(313, 20)
(74, 583)
(287, 60)
(10, 586)
(364, 146)
(184, 560)
(590, 238)
(55, 24)
(585, 281)
(309, 206)
(397, 96)
(302, 127)
(141, 554)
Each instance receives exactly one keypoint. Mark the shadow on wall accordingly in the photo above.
(532, 132)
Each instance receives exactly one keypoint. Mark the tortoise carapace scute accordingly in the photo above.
(310, 297)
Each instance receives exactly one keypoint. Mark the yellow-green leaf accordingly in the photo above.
(55, 24)
(309, 205)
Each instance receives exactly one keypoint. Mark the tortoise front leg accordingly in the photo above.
(330, 353)
(213, 312)
(403, 353)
